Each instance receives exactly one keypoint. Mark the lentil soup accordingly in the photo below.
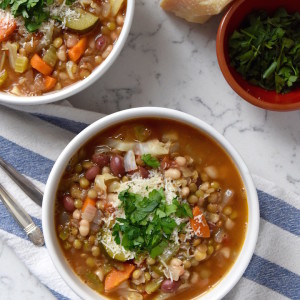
(151, 208)
(59, 42)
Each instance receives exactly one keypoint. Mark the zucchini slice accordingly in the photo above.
(85, 22)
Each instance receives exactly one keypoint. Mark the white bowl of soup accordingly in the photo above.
(150, 203)
(70, 48)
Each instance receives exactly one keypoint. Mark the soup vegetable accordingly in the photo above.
(48, 45)
(151, 209)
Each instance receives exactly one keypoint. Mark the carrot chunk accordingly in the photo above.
(199, 223)
(115, 277)
(77, 51)
(41, 66)
(49, 83)
(7, 27)
(88, 201)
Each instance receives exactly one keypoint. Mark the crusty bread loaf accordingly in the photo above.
(197, 11)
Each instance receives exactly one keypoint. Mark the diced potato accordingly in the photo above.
(115, 6)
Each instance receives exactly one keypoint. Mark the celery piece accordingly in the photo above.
(64, 234)
(3, 76)
(13, 50)
(2, 60)
(153, 285)
(168, 253)
(50, 56)
(94, 282)
(21, 64)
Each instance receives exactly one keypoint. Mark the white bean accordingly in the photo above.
(84, 227)
(173, 173)
(185, 191)
(229, 224)
(120, 20)
(226, 252)
(61, 53)
(71, 40)
(76, 214)
(181, 161)
(107, 51)
(194, 278)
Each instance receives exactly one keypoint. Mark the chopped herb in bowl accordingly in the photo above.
(266, 50)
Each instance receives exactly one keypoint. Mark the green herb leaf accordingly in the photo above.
(266, 50)
(183, 210)
(33, 12)
(150, 161)
(149, 221)
(159, 249)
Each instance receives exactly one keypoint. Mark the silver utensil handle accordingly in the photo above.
(28, 188)
(33, 232)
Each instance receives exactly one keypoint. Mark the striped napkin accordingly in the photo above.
(31, 138)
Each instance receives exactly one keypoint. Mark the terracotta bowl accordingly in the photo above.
(253, 94)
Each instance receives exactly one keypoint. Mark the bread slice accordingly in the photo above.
(197, 11)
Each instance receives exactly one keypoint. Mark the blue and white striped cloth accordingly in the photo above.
(32, 139)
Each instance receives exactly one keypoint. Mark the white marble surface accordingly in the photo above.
(168, 62)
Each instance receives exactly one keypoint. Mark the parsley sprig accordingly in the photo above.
(266, 50)
(149, 221)
(150, 160)
(34, 12)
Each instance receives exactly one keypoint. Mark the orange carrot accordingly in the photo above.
(7, 27)
(76, 51)
(41, 66)
(49, 83)
(199, 223)
(88, 201)
(115, 277)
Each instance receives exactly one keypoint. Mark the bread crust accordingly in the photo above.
(196, 11)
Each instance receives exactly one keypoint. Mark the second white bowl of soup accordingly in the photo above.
(73, 47)
(150, 202)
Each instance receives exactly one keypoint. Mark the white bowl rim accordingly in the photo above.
(80, 85)
(245, 255)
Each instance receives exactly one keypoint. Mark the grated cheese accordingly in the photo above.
(143, 186)
(63, 12)
(156, 180)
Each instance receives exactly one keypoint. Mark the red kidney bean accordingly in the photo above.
(169, 286)
(92, 172)
(165, 163)
(101, 160)
(68, 202)
(101, 43)
(117, 165)
(144, 172)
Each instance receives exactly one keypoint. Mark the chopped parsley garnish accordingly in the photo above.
(150, 160)
(32, 11)
(149, 221)
(266, 50)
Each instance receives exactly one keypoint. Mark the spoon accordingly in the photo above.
(33, 232)
(28, 188)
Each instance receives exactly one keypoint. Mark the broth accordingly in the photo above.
(215, 188)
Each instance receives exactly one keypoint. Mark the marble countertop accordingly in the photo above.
(171, 63)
